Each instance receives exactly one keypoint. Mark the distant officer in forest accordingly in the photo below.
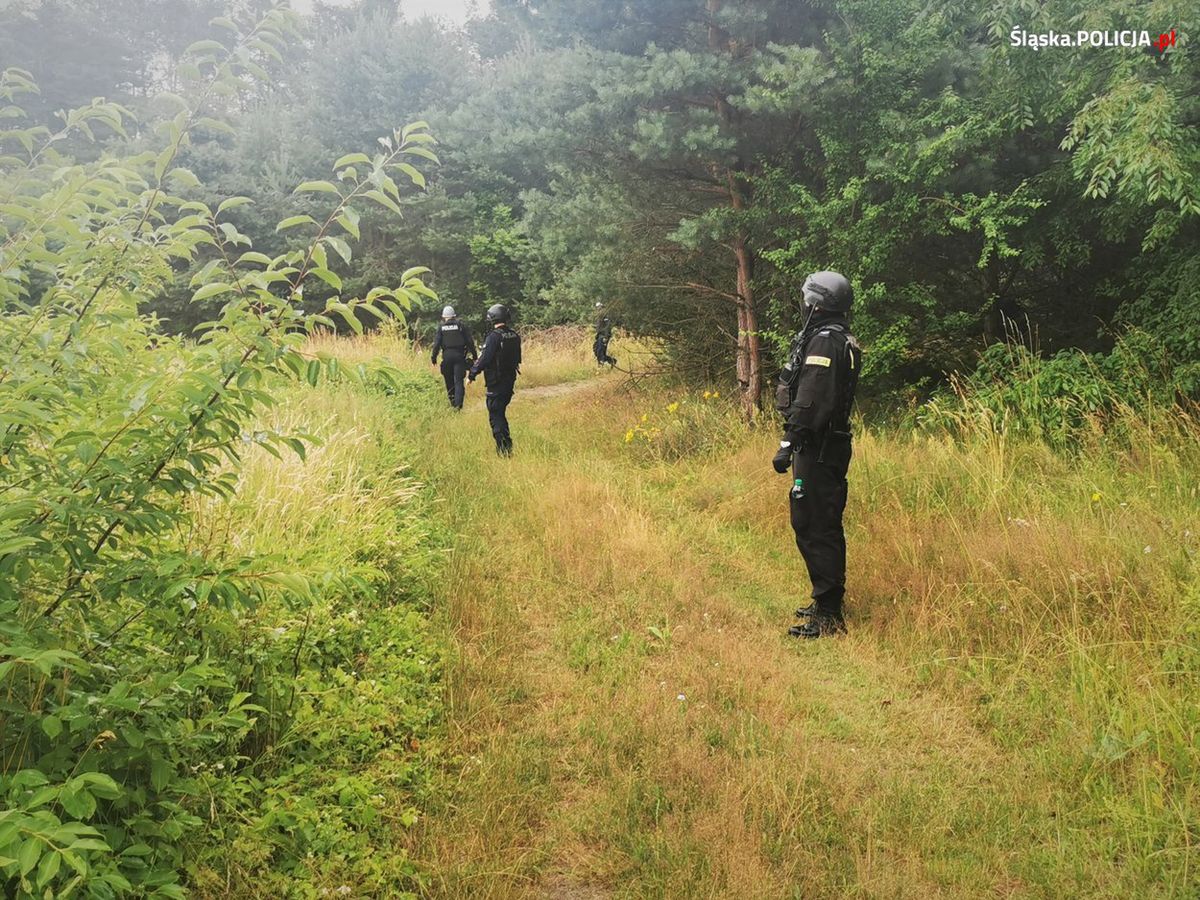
(815, 393)
(604, 329)
(500, 362)
(454, 342)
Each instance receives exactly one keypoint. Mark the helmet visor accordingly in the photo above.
(815, 294)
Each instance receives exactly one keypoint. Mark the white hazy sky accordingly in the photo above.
(456, 11)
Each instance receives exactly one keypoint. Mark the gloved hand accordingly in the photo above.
(783, 457)
(471, 376)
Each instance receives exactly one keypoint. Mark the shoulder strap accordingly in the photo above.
(800, 344)
(853, 373)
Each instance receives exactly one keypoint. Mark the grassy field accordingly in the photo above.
(350, 677)
(1013, 713)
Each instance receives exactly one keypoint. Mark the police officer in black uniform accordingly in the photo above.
(458, 352)
(815, 393)
(500, 362)
(604, 329)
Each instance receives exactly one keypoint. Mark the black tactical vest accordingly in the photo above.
(452, 336)
(508, 354)
(785, 387)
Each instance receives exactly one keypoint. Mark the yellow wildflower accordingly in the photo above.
(629, 436)
(672, 407)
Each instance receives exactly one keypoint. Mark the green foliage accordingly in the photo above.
(621, 151)
(695, 424)
(977, 187)
(1070, 399)
(497, 251)
(126, 51)
(341, 766)
(126, 718)
(1131, 143)
(359, 70)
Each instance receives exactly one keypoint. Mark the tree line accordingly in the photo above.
(688, 162)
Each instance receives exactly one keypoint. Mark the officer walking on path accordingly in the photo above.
(458, 352)
(500, 362)
(815, 393)
(604, 330)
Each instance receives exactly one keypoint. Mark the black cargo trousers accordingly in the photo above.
(817, 517)
(600, 348)
(454, 371)
(499, 395)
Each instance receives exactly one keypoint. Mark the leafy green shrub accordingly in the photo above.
(353, 674)
(134, 701)
(1068, 398)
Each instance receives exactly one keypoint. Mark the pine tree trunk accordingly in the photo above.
(749, 348)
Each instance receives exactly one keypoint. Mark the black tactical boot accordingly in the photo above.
(819, 625)
(807, 612)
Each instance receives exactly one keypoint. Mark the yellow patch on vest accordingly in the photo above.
(817, 361)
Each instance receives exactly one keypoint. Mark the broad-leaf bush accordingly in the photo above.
(139, 697)
(1072, 398)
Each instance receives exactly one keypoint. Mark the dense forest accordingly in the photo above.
(687, 163)
(272, 624)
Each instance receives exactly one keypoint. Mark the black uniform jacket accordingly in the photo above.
(501, 357)
(829, 364)
(453, 335)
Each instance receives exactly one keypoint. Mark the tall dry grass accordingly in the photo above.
(1012, 714)
(554, 355)
(348, 668)
(1052, 597)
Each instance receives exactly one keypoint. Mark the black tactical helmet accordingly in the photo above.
(828, 290)
(498, 313)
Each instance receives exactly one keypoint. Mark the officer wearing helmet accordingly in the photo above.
(454, 342)
(815, 394)
(604, 329)
(500, 362)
